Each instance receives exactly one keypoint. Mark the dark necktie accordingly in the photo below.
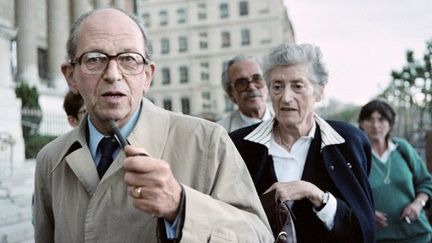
(107, 147)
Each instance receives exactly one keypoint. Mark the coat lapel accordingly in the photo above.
(81, 163)
(151, 130)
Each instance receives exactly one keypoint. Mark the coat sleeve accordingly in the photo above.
(355, 217)
(421, 177)
(42, 212)
(231, 212)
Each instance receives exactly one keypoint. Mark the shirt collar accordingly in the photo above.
(95, 136)
(384, 157)
(249, 120)
(263, 133)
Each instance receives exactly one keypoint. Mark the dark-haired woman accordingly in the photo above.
(401, 184)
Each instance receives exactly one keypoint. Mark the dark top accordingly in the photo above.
(341, 169)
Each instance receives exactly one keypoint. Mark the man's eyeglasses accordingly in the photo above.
(92, 62)
(241, 84)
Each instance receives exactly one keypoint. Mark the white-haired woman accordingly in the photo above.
(320, 167)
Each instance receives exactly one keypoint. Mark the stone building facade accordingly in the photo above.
(192, 40)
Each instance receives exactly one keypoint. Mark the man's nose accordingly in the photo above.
(112, 72)
(251, 85)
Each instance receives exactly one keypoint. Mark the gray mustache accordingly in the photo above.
(252, 94)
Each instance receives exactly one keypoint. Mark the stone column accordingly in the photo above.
(102, 3)
(10, 123)
(27, 41)
(79, 7)
(119, 4)
(58, 26)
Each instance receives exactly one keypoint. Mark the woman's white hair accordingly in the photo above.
(293, 54)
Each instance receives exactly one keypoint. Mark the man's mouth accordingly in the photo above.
(114, 94)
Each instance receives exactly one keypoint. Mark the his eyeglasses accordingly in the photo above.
(241, 84)
(130, 63)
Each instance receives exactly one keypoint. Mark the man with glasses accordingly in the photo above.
(153, 186)
(243, 82)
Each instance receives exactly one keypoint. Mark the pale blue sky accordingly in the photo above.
(362, 41)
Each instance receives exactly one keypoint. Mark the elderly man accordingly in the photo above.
(243, 82)
(158, 188)
(320, 168)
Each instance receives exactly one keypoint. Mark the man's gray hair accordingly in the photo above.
(74, 32)
(225, 76)
(292, 54)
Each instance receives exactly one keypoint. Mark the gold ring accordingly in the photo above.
(136, 192)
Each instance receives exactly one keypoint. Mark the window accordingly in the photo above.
(181, 15)
(165, 47)
(266, 37)
(226, 39)
(167, 104)
(245, 37)
(146, 19)
(243, 8)
(206, 95)
(203, 40)
(42, 56)
(183, 46)
(202, 11)
(185, 104)
(223, 10)
(166, 76)
(163, 18)
(206, 104)
(205, 76)
(183, 70)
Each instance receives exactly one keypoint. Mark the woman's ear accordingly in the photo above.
(319, 93)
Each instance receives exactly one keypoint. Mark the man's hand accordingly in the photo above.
(160, 194)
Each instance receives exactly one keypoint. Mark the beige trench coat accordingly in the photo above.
(73, 206)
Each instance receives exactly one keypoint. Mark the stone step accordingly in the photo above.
(12, 214)
(17, 233)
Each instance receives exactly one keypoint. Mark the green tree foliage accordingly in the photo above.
(29, 96)
(410, 92)
(31, 117)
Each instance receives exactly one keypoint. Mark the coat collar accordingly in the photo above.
(263, 133)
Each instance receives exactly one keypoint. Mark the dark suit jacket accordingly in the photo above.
(341, 169)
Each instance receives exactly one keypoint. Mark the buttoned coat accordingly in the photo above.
(72, 205)
(347, 165)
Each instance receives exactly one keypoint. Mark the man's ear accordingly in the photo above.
(68, 72)
(73, 122)
(149, 72)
